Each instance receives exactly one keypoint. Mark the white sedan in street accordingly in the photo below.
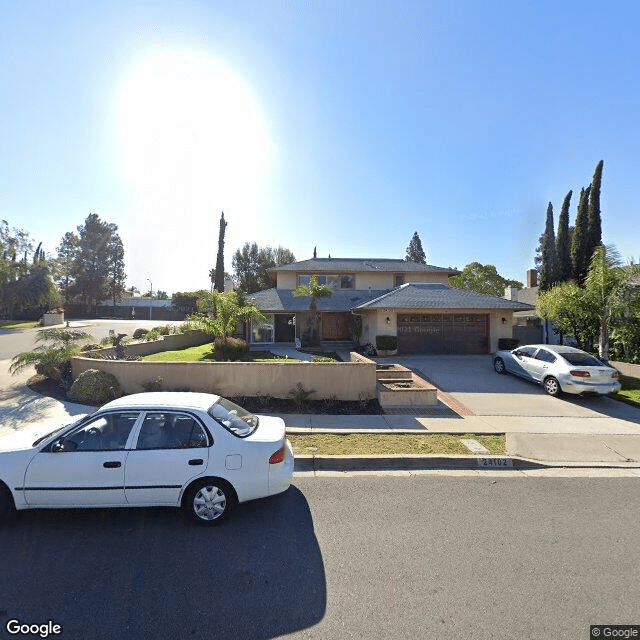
(197, 451)
(559, 369)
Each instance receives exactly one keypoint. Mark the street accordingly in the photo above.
(340, 557)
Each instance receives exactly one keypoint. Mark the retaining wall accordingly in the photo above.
(627, 369)
(339, 380)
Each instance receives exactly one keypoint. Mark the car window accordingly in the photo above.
(166, 430)
(106, 432)
(545, 356)
(525, 351)
(581, 359)
(239, 421)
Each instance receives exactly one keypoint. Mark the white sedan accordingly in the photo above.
(559, 369)
(197, 451)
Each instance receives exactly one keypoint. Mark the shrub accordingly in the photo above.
(323, 359)
(506, 344)
(140, 333)
(94, 387)
(153, 385)
(230, 349)
(300, 396)
(387, 343)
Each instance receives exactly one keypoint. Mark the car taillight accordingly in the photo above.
(580, 374)
(278, 456)
(615, 374)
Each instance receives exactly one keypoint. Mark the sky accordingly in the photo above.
(344, 126)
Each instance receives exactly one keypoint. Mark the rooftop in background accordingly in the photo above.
(353, 265)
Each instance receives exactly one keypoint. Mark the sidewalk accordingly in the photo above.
(531, 442)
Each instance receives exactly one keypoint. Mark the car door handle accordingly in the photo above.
(196, 462)
(113, 464)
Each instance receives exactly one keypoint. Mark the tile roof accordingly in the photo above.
(408, 296)
(439, 296)
(353, 265)
(273, 300)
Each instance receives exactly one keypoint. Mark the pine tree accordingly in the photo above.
(563, 246)
(415, 252)
(594, 220)
(579, 248)
(219, 278)
(549, 262)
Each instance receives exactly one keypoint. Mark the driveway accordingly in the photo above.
(514, 404)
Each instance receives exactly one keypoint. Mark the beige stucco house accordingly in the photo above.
(389, 297)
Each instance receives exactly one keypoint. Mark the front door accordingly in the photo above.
(83, 468)
(335, 326)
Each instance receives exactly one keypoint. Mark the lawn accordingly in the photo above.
(203, 354)
(630, 392)
(19, 324)
(372, 444)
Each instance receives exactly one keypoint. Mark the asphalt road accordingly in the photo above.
(349, 557)
(14, 341)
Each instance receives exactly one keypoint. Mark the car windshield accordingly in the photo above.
(56, 431)
(581, 360)
(234, 418)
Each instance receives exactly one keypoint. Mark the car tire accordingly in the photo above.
(498, 365)
(552, 386)
(7, 508)
(210, 502)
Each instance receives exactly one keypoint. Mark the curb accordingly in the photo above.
(316, 463)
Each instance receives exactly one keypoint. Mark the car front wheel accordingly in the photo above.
(7, 508)
(210, 502)
(498, 365)
(552, 386)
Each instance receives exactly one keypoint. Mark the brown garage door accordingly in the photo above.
(443, 333)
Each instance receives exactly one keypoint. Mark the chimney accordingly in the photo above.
(532, 278)
(511, 293)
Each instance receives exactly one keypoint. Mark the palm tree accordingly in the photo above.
(609, 288)
(315, 291)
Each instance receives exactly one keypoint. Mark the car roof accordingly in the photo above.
(165, 400)
(556, 348)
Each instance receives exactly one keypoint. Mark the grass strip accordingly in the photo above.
(203, 353)
(19, 324)
(630, 392)
(386, 444)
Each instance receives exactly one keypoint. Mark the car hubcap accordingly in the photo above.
(552, 387)
(209, 503)
(499, 366)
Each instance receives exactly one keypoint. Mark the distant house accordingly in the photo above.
(384, 297)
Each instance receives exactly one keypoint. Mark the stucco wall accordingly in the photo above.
(342, 380)
(287, 280)
(626, 369)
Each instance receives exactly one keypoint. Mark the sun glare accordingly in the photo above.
(193, 135)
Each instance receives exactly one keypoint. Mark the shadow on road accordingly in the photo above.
(150, 573)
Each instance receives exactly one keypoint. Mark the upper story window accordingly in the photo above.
(398, 280)
(333, 281)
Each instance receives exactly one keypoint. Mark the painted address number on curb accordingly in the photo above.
(496, 462)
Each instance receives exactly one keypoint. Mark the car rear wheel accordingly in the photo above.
(210, 502)
(552, 386)
(498, 365)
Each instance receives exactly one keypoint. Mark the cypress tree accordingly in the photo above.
(548, 270)
(594, 220)
(219, 278)
(415, 252)
(579, 247)
(563, 246)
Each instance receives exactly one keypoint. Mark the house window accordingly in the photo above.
(347, 282)
(263, 332)
(306, 279)
(399, 279)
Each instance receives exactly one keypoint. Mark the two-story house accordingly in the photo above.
(384, 297)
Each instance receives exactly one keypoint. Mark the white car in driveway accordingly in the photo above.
(197, 451)
(559, 369)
